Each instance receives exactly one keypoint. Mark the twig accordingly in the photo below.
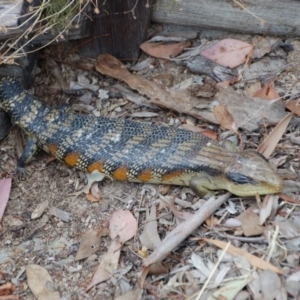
(182, 231)
(260, 240)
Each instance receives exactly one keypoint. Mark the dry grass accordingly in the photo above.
(53, 17)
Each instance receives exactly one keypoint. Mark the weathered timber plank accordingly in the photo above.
(276, 17)
(10, 12)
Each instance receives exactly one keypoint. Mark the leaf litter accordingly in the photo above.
(120, 264)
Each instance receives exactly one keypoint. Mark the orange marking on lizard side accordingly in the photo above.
(146, 175)
(120, 173)
(97, 165)
(72, 158)
(52, 148)
(172, 175)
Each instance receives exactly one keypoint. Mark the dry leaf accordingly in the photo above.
(160, 50)
(228, 52)
(269, 144)
(5, 186)
(266, 209)
(267, 93)
(149, 236)
(143, 276)
(108, 264)
(90, 242)
(212, 221)
(155, 268)
(262, 46)
(40, 283)
(6, 290)
(224, 84)
(211, 134)
(224, 117)
(39, 210)
(199, 264)
(288, 199)
(123, 225)
(294, 106)
(250, 223)
(158, 268)
(230, 289)
(271, 287)
(60, 214)
(253, 260)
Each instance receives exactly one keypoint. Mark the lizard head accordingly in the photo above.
(250, 174)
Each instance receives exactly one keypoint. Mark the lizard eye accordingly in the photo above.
(240, 178)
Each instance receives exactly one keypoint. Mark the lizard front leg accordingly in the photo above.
(202, 185)
(29, 150)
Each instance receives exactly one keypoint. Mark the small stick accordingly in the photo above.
(183, 230)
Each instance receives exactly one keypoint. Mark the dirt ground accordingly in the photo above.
(52, 240)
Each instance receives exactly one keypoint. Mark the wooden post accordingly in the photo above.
(118, 29)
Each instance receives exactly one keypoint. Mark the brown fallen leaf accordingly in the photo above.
(294, 106)
(250, 223)
(267, 93)
(149, 237)
(6, 289)
(267, 206)
(155, 268)
(271, 286)
(262, 46)
(90, 242)
(253, 260)
(269, 144)
(224, 117)
(224, 84)
(211, 134)
(228, 52)
(39, 210)
(160, 50)
(158, 268)
(212, 221)
(123, 227)
(108, 264)
(288, 199)
(41, 283)
(9, 297)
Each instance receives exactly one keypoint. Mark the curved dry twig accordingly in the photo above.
(182, 231)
